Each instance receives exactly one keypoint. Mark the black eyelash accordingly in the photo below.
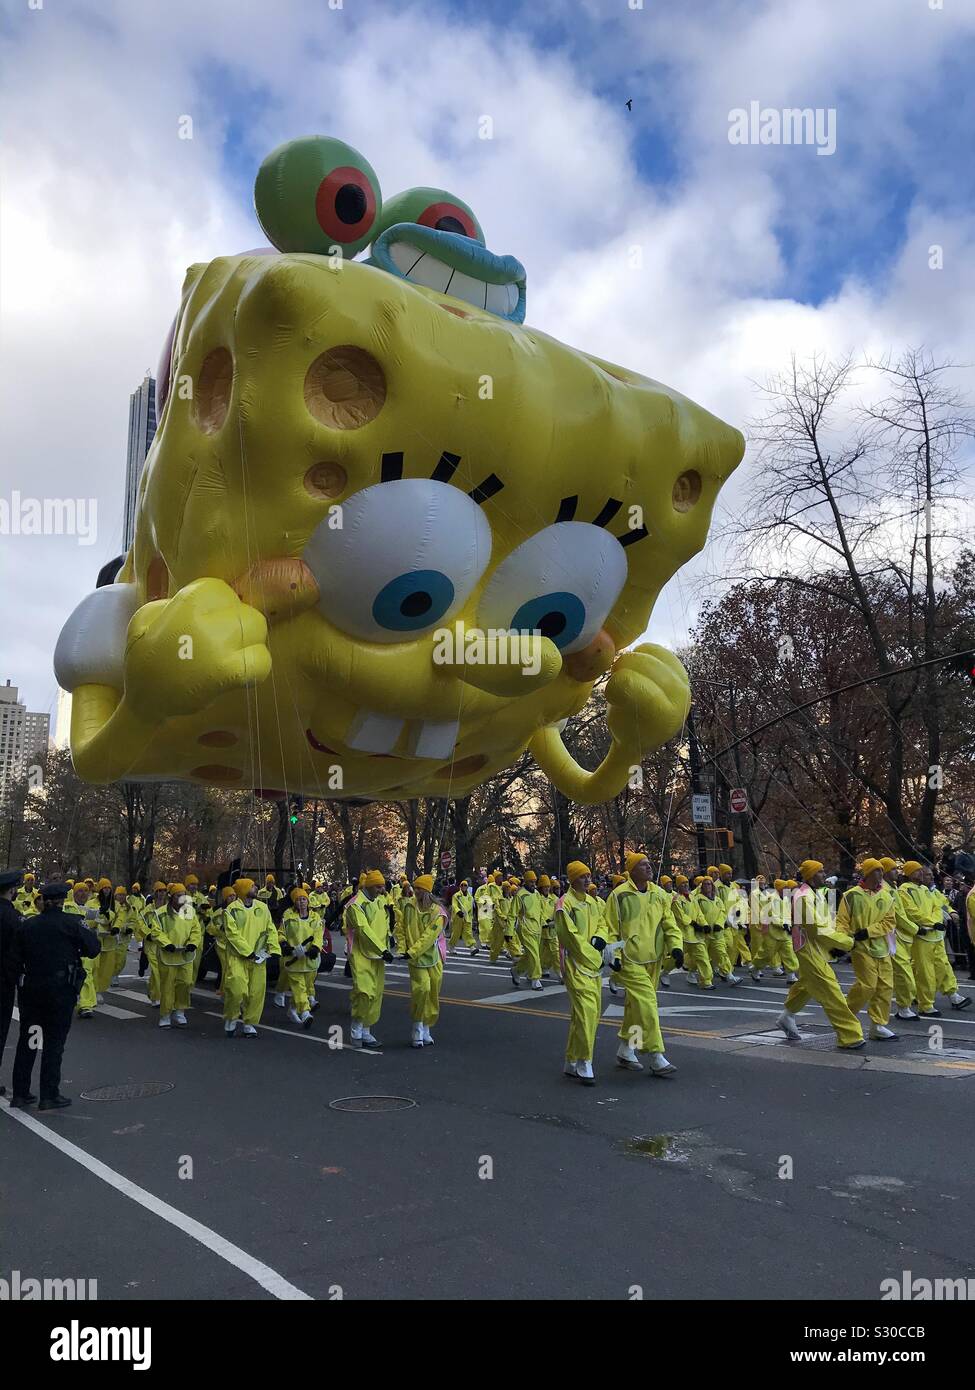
(567, 509)
(491, 484)
(608, 512)
(444, 470)
(632, 536)
(392, 467)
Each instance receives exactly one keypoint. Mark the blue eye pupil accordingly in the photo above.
(413, 601)
(560, 617)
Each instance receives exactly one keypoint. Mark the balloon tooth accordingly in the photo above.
(373, 733)
(432, 739)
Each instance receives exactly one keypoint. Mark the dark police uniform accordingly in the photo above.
(50, 948)
(10, 920)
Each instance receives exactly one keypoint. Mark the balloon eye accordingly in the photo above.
(413, 601)
(345, 204)
(559, 617)
(448, 217)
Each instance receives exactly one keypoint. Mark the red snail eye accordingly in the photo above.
(448, 217)
(345, 204)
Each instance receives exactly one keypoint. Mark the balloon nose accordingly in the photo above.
(593, 661)
(279, 587)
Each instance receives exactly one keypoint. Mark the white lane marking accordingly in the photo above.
(263, 1274)
(131, 994)
(114, 1012)
(521, 994)
(308, 1037)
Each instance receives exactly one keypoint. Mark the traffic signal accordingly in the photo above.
(724, 839)
(297, 806)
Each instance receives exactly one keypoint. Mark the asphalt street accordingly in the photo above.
(764, 1169)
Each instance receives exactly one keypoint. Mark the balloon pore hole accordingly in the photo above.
(326, 480)
(687, 490)
(214, 385)
(345, 388)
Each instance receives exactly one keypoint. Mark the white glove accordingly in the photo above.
(260, 957)
(299, 951)
(610, 950)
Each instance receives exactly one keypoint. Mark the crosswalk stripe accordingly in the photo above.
(519, 995)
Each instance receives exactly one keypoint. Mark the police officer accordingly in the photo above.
(49, 951)
(10, 920)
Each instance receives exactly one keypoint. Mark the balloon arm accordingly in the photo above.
(573, 781)
(106, 736)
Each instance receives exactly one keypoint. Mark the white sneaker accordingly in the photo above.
(230, 1027)
(367, 1038)
(659, 1066)
(536, 984)
(100, 998)
(959, 1000)
(756, 975)
(879, 1033)
(427, 1035)
(905, 1013)
(787, 1023)
(692, 977)
(165, 1021)
(584, 1073)
(778, 970)
(792, 978)
(626, 1057)
(731, 979)
(712, 985)
(280, 1000)
(179, 1018)
(294, 1015)
(250, 1031)
(570, 1069)
(307, 1019)
(416, 1035)
(665, 982)
(154, 1003)
(613, 986)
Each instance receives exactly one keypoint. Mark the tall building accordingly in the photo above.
(24, 736)
(142, 428)
(62, 720)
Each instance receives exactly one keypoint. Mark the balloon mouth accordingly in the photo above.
(454, 265)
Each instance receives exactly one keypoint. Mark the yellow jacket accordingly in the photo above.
(368, 921)
(577, 921)
(644, 922)
(904, 929)
(173, 929)
(869, 912)
(813, 927)
(250, 929)
(920, 906)
(528, 910)
(417, 932)
(300, 931)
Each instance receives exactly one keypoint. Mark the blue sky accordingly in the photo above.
(748, 253)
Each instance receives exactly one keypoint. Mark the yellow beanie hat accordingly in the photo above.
(869, 865)
(808, 867)
(242, 886)
(373, 879)
(297, 893)
(227, 893)
(911, 866)
(576, 870)
(424, 882)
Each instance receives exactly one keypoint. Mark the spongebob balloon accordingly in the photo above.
(387, 535)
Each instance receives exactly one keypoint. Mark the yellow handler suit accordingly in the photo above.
(781, 936)
(124, 920)
(644, 923)
(418, 932)
(709, 922)
(549, 950)
(928, 955)
(528, 927)
(738, 911)
(577, 921)
(462, 918)
(145, 931)
(905, 987)
(108, 941)
(88, 997)
(694, 946)
(945, 979)
(485, 899)
(217, 928)
(873, 913)
(178, 936)
(366, 925)
(248, 932)
(503, 936)
(301, 940)
(28, 899)
(814, 934)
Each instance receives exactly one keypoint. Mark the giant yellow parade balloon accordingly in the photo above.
(387, 535)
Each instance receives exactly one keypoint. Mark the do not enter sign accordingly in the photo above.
(738, 800)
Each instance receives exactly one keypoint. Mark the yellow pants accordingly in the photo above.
(122, 954)
(244, 984)
(484, 929)
(783, 951)
(739, 949)
(696, 958)
(818, 982)
(88, 997)
(926, 962)
(175, 982)
(905, 988)
(761, 949)
(368, 982)
(461, 927)
(640, 1025)
(296, 983)
(549, 951)
(585, 1006)
(105, 968)
(152, 988)
(425, 993)
(499, 944)
(717, 948)
(529, 962)
(944, 976)
(873, 986)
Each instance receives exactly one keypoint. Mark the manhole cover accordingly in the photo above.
(133, 1090)
(812, 1041)
(943, 1054)
(372, 1103)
